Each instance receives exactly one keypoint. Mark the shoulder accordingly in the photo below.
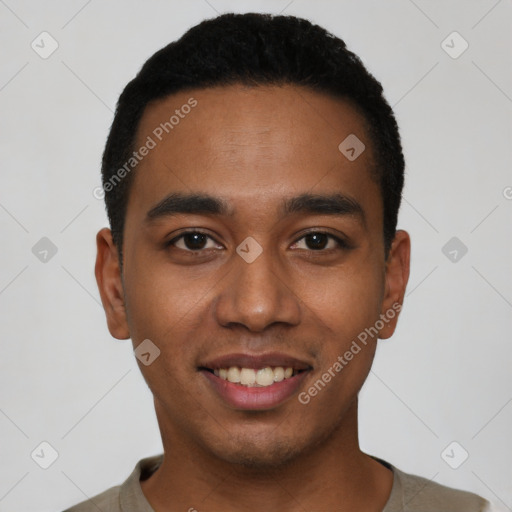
(124, 497)
(423, 495)
(107, 501)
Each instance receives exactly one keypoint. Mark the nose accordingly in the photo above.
(256, 295)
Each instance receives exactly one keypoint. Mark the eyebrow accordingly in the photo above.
(204, 204)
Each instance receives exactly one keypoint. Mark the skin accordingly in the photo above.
(253, 147)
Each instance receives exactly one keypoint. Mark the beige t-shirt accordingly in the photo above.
(409, 493)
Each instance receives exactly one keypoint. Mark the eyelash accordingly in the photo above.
(342, 245)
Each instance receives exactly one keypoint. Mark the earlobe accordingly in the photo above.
(397, 276)
(108, 278)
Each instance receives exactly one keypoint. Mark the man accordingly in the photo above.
(253, 176)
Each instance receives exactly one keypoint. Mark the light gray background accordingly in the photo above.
(443, 377)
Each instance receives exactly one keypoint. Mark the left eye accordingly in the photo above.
(318, 241)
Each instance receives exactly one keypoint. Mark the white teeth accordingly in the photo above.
(278, 374)
(265, 376)
(233, 374)
(247, 376)
(250, 377)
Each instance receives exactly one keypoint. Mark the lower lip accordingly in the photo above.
(255, 398)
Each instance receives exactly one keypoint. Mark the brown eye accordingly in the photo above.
(193, 241)
(319, 241)
(316, 240)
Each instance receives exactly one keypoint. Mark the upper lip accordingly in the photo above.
(255, 361)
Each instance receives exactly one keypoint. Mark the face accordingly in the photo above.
(253, 249)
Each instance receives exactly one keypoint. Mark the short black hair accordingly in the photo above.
(255, 49)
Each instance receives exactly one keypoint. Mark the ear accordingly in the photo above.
(108, 277)
(397, 276)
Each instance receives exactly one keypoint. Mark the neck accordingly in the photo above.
(333, 475)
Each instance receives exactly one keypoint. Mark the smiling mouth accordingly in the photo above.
(253, 378)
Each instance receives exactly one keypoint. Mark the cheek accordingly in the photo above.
(345, 312)
(345, 300)
(160, 300)
(168, 308)
(161, 309)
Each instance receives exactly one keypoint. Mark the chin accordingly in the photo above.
(276, 446)
(251, 454)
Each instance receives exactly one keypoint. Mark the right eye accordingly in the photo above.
(192, 241)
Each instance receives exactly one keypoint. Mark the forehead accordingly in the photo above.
(242, 143)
